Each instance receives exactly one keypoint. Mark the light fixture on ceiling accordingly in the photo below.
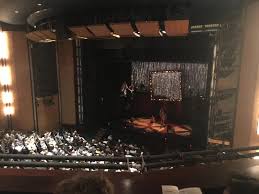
(81, 37)
(162, 31)
(115, 35)
(47, 40)
(112, 31)
(137, 34)
(16, 11)
(39, 4)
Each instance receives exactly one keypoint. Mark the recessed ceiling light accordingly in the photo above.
(39, 4)
(16, 11)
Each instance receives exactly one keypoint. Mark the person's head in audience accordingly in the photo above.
(241, 184)
(82, 184)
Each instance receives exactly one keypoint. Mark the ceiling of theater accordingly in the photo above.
(17, 11)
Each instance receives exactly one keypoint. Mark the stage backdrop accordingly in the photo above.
(194, 75)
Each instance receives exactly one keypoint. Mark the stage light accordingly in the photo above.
(115, 35)
(8, 110)
(47, 40)
(5, 76)
(7, 97)
(160, 33)
(4, 53)
(82, 37)
(136, 33)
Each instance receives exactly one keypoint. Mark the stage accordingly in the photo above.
(154, 138)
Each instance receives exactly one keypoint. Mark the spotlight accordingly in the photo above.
(39, 4)
(16, 11)
(112, 31)
(115, 35)
(47, 40)
(81, 37)
(160, 33)
(136, 33)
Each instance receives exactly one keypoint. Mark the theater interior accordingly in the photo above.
(147, 92)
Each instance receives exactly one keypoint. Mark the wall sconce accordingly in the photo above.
(5, 76)
(6, 79)
(4, 52)
(7, 97)
(8, 110)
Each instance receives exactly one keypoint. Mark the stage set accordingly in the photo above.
(143, 93)
(150, 89)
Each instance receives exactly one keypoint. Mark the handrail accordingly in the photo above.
(124, 163)
(62, 165)
(199, 161)
(125, 159)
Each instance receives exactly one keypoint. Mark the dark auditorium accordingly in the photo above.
(129, 97)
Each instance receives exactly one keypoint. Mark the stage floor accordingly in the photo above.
(148, 125)
(154, 142)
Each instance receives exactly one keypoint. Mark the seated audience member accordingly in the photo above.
(82, 184)
(241, 184)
